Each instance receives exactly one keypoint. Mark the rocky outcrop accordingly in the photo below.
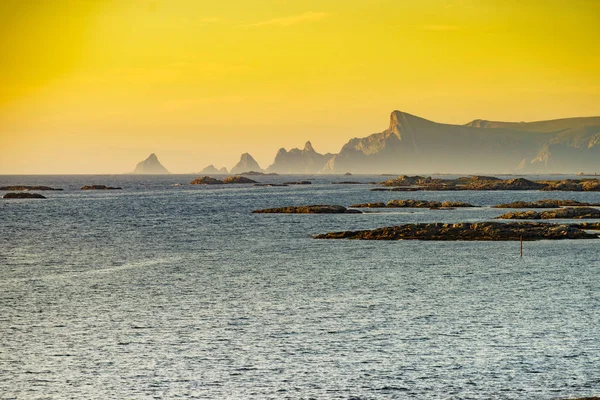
(296, 161)
(573, 185)
(22, 195)
(150, 166)
(368, 205)
(546, 203)
(426, 204)
(256, 173)
(238, 179)
(100, 187)
(312, 209)
(21, 187)
(485, 231)
(561, 213)
(206, 180)
(246, 163)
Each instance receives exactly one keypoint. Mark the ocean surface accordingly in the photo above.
(168, 290)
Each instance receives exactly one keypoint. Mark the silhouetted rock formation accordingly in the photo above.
(312, 209)
(489, 231)
(298, 161)
(414, 144)
(246, 163)
(22, 195)
(150, 166)
(211, 169)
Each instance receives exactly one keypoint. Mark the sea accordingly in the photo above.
(166, 290)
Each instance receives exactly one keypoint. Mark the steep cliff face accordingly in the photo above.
(246, 164)
(298, 161)
(150, 166)
(416, 145)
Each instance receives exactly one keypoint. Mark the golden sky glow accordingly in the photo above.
(94, 86)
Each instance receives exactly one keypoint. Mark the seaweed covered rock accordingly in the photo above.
(206, 180)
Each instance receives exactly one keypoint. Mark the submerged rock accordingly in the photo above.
(21, 187)
(23, 196)
(312, 209)
(485, 231)
(100, 187)
(206, 180)
(561, 213)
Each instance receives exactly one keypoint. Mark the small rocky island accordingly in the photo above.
(100, 187)
(561, 213)
(479, 231)
(312, 209)
(406, 183)
(546, 203)
(414, 204)
(207, 180)
(22, 195)
(22, 187)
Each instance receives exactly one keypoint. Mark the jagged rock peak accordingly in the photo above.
(150, 166)
(308, 147)
(246, 163)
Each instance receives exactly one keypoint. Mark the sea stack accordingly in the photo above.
(247, 163)
(150, 166)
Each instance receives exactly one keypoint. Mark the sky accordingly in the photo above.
(94, 86)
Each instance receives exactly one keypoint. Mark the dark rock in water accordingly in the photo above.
(299, 183)
(23, 196)
(206, 180)
(348, 174)
(347, 183)
(21, 187)
(485, 231)
(238, 179)
(100, 187)
(312, 209)
(513, 184)
(561, 213)
(546, 203)
(369, 205)
(405, 180)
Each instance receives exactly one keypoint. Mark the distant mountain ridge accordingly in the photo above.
(296, 161)
(415, 145)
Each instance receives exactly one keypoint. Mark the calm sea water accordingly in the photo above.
(166, 290)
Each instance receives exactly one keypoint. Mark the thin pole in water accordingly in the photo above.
(521, 240)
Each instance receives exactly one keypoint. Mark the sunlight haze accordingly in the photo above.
(95, 86)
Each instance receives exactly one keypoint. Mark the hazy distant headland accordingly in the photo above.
(413, 145)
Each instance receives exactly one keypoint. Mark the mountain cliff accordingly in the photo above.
(246, 164)
(416, 145)
(150, 166)
(298, 161)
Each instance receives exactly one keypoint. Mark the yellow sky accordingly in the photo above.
(93, 86)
